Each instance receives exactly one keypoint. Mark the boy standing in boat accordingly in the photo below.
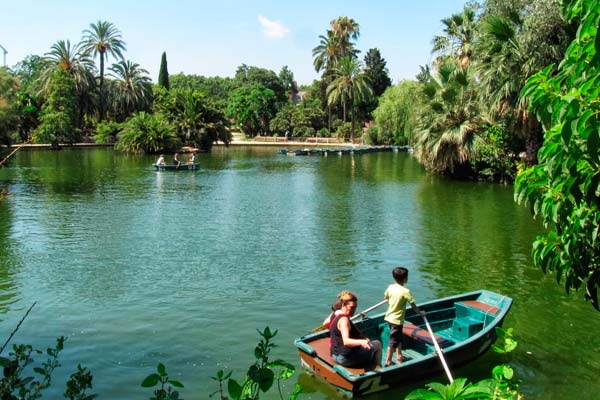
(397, 296)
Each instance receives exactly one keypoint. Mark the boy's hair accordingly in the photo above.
(400, 274)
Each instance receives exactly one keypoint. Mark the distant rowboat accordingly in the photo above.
(463, 325)
(175, 167)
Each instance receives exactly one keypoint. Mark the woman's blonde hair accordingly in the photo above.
(346, 296)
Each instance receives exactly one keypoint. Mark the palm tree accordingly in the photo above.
(450, 124)
(459, 36)
(132, 91)
(326, 53)
(349, 85)
(102, 39)
(512, 46)
(345, 29)
(76, 62)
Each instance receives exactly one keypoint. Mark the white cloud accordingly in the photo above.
(273, 29)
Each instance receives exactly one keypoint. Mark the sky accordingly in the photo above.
(213, 38)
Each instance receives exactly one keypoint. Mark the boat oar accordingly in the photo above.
(438, 350)
(322, 327)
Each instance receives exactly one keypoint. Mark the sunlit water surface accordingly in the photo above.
(138, 267)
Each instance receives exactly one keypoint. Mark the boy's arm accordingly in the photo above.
(417, 309)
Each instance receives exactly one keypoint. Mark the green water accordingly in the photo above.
(137, 266)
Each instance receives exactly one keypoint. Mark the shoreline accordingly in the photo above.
(33, 146)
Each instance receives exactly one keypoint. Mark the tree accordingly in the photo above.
(147, 133)
(378, 77)
(132, 91)
(253, 107)
(563, 188)
(9, 89)
(200, 123)
(286, 77)
(58, 119)
(459, 37)
(249, 76)
(163, 74)
(348, 86)
(450, 121)
(396, 114)
(103, 39)
(345, 29)
(75, 61)
(517, 39)
(377, 72)
(29, 72)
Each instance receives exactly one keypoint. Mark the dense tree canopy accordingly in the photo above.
(564, 189)
(9, 87)
(58, 118)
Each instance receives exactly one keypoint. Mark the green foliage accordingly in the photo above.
(130, 92)
(493, 159)
(260, 376)
(14, 385)
(396, 114)
(457, 390)
(286, 77)
(565, 187)
(103, 39)
(451, 121)
(344, 130)
(349, 86)
(253, 107)
(217, 88)
(251, 76)
(166, 389)
(107, 132)
(163, 73)
(9, 87)
(198, 120)
(500, 386)
(58, 119)
(377, 72)
(79, 382)
(149, 133)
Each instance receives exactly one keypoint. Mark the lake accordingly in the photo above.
(137, 267)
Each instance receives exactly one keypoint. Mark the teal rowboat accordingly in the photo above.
(464, 327)
(175, 167)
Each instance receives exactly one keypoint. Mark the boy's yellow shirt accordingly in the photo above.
(397, 296)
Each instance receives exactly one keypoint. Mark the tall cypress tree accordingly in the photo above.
(163, 74)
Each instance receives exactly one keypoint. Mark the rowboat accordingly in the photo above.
(463, 325)
(175, 167)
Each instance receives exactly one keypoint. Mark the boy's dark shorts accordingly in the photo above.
(395, 335)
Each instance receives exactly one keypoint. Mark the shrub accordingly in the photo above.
(149, 133)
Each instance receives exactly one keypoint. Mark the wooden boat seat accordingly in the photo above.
(486, 308)
(321, 346)
(414, 332)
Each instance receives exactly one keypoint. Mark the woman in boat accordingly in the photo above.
(335, 307)
(161, 160)
(176, 160)
(192, 159)
(349, 346)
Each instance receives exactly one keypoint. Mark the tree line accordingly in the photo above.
(462, 113)
(71, 94)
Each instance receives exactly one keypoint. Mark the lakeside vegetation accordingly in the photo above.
(464, 114)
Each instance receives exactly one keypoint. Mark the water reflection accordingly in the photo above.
(9, 260)
(138, 266)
